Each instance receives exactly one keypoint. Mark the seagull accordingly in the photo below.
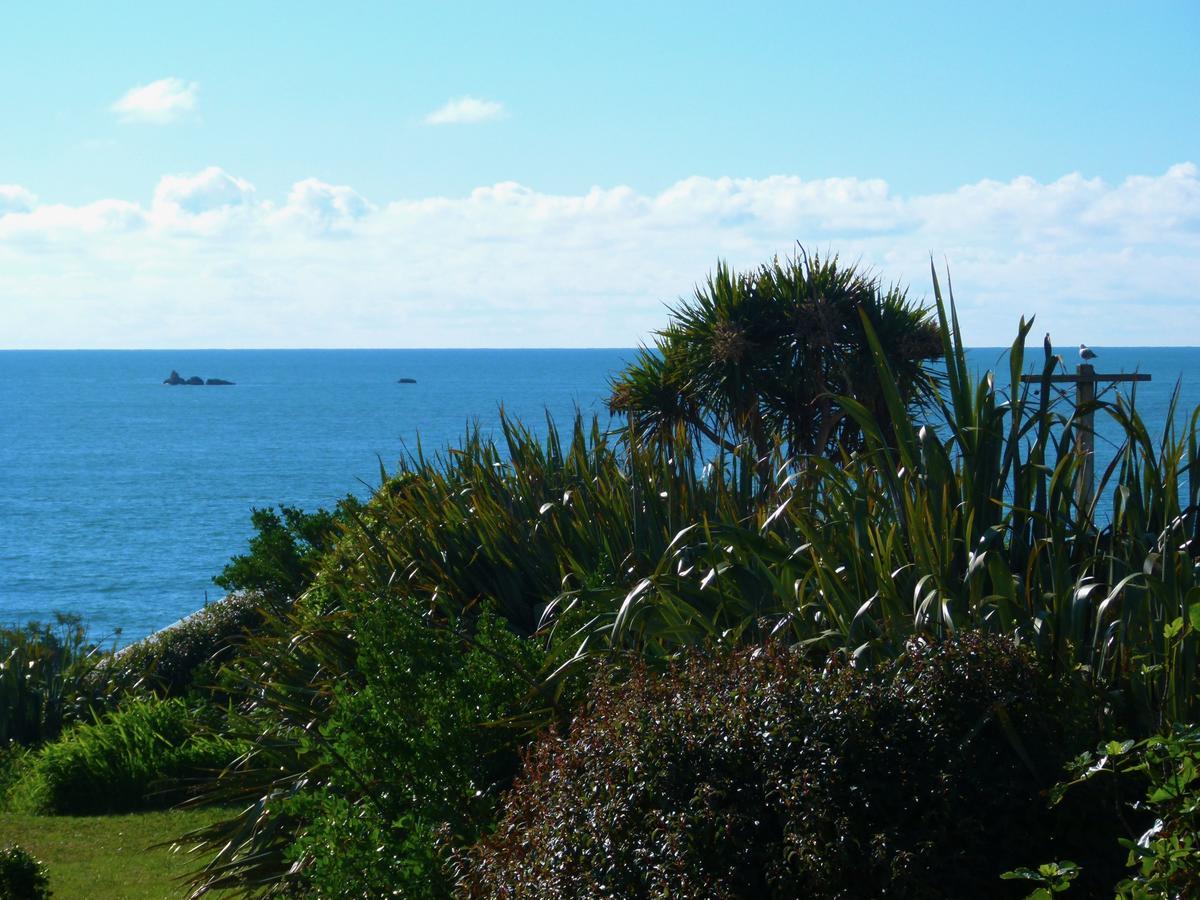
(1085, 353)
(1049, 347)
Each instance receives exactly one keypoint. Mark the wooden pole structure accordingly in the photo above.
(1085, 380)
(1085, 441)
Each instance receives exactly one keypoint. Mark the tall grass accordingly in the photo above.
(43, 678)
(148, 754)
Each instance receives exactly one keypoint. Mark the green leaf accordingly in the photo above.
(1024, 874)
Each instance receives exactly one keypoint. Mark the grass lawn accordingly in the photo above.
(96, 857)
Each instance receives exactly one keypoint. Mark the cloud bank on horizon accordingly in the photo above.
(208, 262)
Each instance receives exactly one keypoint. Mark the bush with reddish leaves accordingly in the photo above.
(756, 774)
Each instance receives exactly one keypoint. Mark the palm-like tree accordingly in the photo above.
(758, 359)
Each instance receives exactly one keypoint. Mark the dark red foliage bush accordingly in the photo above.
(757, 775)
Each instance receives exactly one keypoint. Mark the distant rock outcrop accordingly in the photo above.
(176, 378)
(406, 381)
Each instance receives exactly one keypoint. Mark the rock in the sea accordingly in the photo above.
(406, 381)
(176, 378)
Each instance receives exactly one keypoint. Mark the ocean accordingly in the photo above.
(121, 498)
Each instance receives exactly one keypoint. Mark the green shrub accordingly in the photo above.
(148, 754)
(22, 877)
(286, 550)
(370, 758)
(1165, 857)
(502, 526)
(756, 775)
(184, 656)
(964, 517)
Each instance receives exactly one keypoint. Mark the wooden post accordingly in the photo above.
(1085, 380)
(1085, 436)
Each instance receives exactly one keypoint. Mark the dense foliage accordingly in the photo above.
(598, 551)
(22, 876)
(970, 520)
(148, 754)
(758, 775)
(760, 359)
(810, 614)
(44, 680)
(389, 748)
(285, 552)
(1165, 858)
(183, 657)
(367, 838)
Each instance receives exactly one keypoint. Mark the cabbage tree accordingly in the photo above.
(756, 360)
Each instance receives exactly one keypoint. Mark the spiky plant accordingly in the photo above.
(760, 357)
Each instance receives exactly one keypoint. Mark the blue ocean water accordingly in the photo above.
(121, 498)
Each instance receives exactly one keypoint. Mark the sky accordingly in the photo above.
(556, 175)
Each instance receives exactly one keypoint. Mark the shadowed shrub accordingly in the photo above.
(22, 876)
(757, 775)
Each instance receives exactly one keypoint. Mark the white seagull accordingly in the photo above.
(1085, 353)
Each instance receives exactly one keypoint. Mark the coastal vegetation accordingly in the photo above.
(818, 613)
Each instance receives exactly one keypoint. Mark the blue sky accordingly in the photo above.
(887, 128)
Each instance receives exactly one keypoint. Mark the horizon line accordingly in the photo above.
(464, 349)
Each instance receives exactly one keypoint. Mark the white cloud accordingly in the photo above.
(206, 191)
(14, 198)
(466, 110)
(57, 222)
(159, 101)
(211, 263)
(325, 206)
(208, 202)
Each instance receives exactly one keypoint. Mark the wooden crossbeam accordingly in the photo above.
(1094, 376)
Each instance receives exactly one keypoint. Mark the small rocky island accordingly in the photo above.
(176, 378)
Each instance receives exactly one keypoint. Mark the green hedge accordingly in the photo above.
(185, 655)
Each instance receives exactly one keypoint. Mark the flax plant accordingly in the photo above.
(968, 520)
(43, 679)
